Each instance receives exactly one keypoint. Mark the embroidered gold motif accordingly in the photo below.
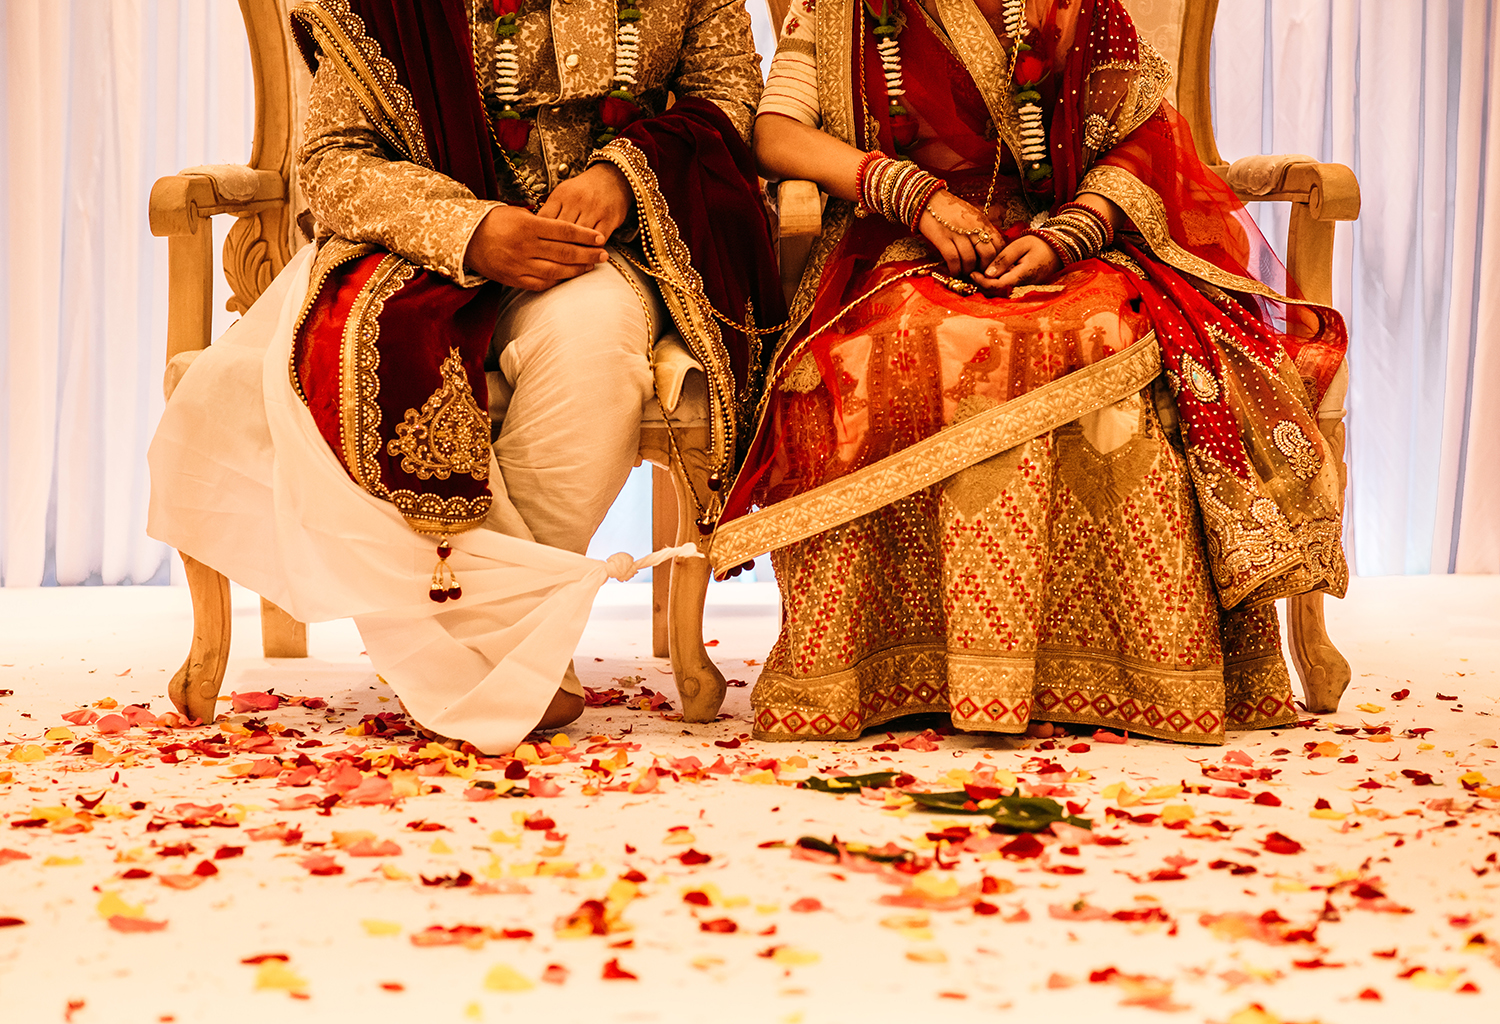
(804, 376)
(1098, 133)
(1021, 291)
(1123, 261)
(1299, 451)
(449, 434)
(430, 513)
(909, 248)
(1198, 380)
(1101, 481)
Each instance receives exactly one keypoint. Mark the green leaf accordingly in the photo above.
(850, 783)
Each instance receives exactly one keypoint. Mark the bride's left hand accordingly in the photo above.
(1027, 260)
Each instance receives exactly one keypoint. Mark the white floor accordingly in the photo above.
(883, 946)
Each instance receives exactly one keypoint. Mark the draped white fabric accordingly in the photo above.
(1405, 93)
(97, 100)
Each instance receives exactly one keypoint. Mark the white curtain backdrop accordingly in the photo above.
(98, 99)
(1405, 92)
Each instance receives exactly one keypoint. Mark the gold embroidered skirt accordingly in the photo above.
(1064, 580)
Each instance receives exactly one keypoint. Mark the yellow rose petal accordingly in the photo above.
(275, 974)
(504, 978)
(373, 927)
(789, 957)
(1175, 813)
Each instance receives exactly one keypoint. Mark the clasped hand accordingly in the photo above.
(969, 244)
(562, 240)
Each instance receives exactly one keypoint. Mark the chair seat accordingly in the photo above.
(683, 393)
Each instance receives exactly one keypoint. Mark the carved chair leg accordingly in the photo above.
(195, 687)
(663, 532)
(700, 684)
(281, 636)
(1324, 672)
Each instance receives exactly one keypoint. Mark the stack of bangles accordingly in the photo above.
(1076, 233)
(898, 190)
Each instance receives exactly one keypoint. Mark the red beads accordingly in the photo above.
(444, 549)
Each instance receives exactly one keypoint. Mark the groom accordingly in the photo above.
(514, 199)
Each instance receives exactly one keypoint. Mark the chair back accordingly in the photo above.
(1180, 31)
(258, 246)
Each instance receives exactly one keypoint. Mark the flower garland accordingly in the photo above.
(508, 128)
(620, 108)
(1027, 72)
(513, 131)
(887, 29)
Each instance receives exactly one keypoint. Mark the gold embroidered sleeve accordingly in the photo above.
(1120, 96)
(359, 189)
(718, 61)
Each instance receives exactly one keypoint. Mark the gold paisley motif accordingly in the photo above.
(449, 434)
(909, 248)
(1299, 451)
(1196, 377)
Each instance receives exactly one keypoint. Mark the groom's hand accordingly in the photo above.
(599, 199)
(523, 250)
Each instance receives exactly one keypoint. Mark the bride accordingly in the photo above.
(1039, 443)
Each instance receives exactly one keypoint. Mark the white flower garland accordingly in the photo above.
(1028, 101)
(890, 60)
(1015, 16)
(627, 53)
(507, 71)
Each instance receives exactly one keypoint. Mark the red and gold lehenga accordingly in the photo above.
(1076, 503)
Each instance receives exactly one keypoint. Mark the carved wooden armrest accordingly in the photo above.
(180, 201)
(800, 217)
(1329, 191)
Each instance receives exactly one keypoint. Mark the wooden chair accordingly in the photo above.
(1320, 195)
(271, 224)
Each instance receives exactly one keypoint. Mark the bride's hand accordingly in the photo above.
(1027, 260)
(961, 234)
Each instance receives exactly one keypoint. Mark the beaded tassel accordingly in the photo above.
(444, 583)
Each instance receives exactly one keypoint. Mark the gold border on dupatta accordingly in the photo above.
(938, 457)
(1149, 214)
(671, 263)
(341, 34)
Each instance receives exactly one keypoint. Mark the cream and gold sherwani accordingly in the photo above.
(567, 395)
(359, 189)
